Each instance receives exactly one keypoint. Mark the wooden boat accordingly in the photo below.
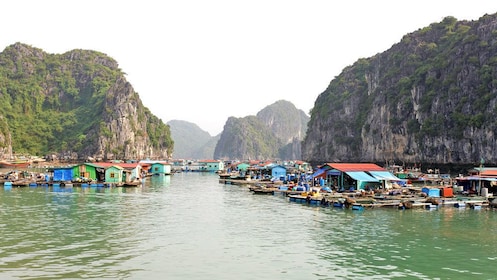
(357, 207)
(261, 189)
(14, 164)
(338, 204)
(130, 184)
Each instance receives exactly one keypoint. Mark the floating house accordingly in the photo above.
(278, 172)
(211, 165)
(481, 180)
(354, 176)
(160, 168)
(62, 174)
(243, 166)
(89, 171)
(178, 165)
(114, 174)
(302, 166)
(109, 172)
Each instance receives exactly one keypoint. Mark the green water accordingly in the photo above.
(188, 226)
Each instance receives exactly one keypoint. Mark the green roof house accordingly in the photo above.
(114, 174)
(89, 171)
(158, 168)
(211, 165)
(244, 166)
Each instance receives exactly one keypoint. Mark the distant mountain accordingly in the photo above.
(190, 141)
(288, 124)
(275, 132)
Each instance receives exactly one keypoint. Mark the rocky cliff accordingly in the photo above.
(77, 105)
(275, 132)
(431, 97)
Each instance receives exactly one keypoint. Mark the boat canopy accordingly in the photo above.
(384, 175)
(361, 176)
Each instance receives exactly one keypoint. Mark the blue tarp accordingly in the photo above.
(384, 175)
(62, 174)
(333, 172)
(361, 176)
(318, 172)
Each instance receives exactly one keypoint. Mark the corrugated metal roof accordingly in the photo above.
(347, 167)
(488, 172)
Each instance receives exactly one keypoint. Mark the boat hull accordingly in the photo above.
(5, 164)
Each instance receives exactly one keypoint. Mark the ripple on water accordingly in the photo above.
(192, 227)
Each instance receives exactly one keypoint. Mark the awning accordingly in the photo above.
(333, 172)
(384, 175)
(476, 178)
(318, 173)
(361, 176)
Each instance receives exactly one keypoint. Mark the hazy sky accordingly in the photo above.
(204, 61)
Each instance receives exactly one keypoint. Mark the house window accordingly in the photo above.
(113, 175)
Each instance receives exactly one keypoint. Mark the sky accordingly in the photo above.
(205, 61)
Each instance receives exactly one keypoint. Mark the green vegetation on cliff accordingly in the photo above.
(63, 103)
(275, 132)
(431, 97)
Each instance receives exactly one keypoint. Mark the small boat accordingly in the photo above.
(357, 207)
(262, 189)
(129, 184)
(338, 204)
(15, 163)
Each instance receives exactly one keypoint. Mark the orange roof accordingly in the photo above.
(489, 172)
(349, 167)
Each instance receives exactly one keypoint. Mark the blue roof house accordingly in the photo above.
(61, 174)
(278, 172)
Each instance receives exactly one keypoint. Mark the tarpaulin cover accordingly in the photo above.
(361, 176)
(333, 172)
(318, 172)
(384, 175)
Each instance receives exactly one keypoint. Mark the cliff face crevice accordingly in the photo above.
(430, 98)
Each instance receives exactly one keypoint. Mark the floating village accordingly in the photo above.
(356, 186)
(360, 186)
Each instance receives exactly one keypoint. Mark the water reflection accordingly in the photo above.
(188, 226)
(160, 180)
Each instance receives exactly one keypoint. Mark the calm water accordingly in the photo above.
(188, 226)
